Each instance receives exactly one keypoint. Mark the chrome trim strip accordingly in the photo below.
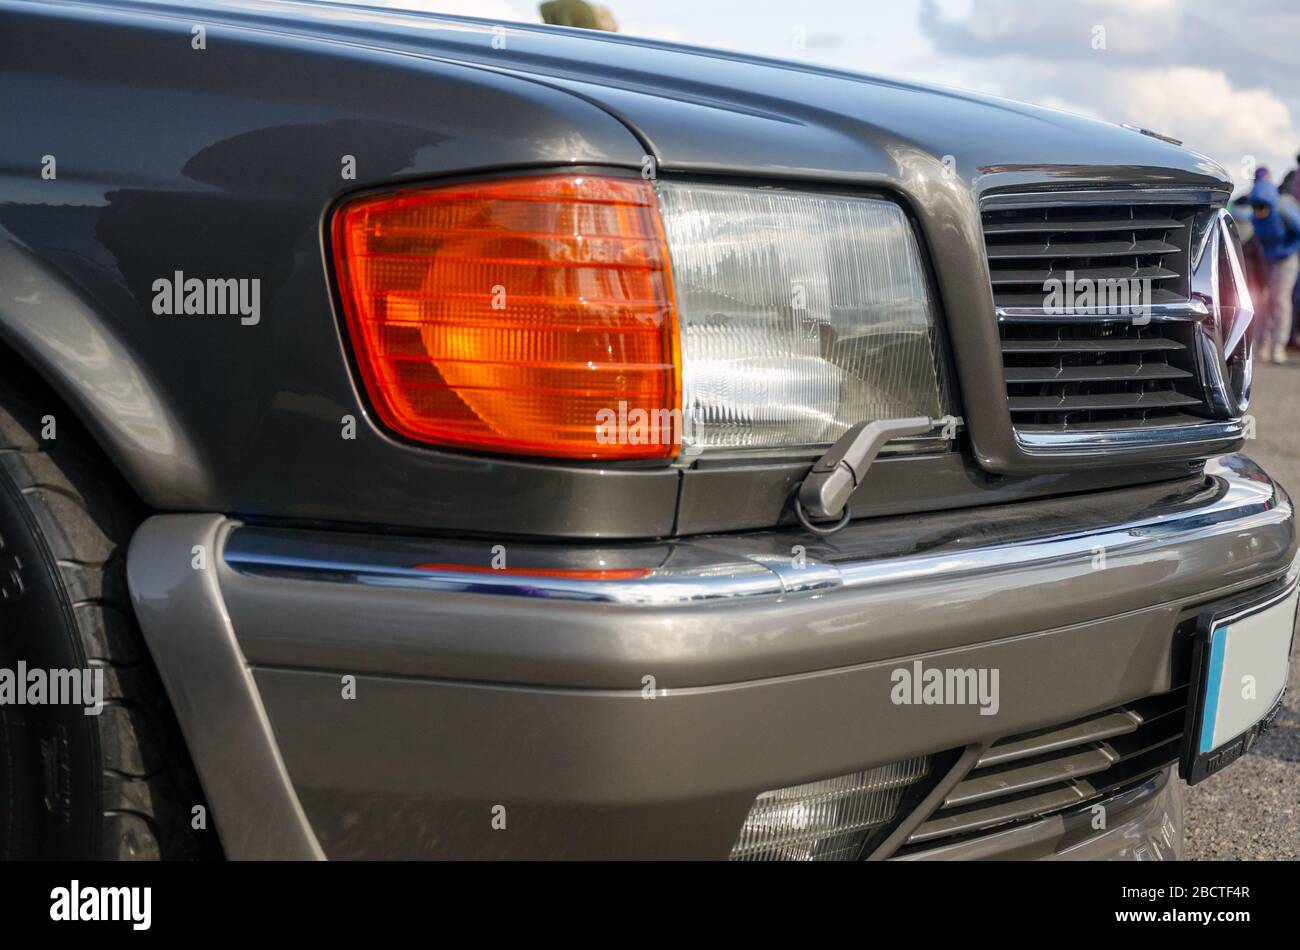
(1184, 311)
(1082, 442)
(727, 579)
(1245, 506)
(1104, 195)
(704, 570)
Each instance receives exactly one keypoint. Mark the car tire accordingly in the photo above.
(118, 785)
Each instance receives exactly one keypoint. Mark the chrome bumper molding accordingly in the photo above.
(1235, 495)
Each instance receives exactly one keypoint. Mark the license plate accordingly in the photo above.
(1239, 670)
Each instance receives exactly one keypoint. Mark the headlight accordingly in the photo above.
(581, 316)
(801, 314)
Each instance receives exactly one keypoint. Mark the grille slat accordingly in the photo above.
(1068, 223)
(999, 813)
(1121, 312)
(1116, 345)
(1095, 314)
(997, 781)
(1139, 743)
(1159, 399)
(1047, 249)
(1040, 275)
(1105, 372)
(1073, 734)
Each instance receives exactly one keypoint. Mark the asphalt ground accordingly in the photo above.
(1251, 810)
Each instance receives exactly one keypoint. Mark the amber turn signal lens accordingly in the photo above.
(520, 315)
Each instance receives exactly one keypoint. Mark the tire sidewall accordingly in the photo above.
(49, 777)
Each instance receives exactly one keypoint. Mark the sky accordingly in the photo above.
(1227, 84)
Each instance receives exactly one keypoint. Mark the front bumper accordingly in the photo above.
(632, 700)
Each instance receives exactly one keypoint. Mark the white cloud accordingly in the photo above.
(1228, 86)
(653, 30)
(1001, 27)
(1203, 107)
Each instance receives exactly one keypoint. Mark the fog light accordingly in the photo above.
(829, 820)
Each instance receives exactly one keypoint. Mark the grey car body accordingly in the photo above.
(476, 692)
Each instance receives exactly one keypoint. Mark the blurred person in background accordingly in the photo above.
(1291, 191)
(1253, 262)
(1277, 229)
(1291, 183)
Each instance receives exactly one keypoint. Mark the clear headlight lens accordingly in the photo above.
(801, 314)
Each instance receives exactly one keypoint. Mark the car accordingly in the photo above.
(428, 437)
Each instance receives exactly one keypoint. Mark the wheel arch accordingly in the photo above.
(65, 339)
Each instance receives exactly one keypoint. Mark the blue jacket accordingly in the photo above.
(1279, 233)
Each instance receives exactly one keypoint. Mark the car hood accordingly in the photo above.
(717, 112)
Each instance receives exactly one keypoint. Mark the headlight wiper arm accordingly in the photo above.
(825, 490)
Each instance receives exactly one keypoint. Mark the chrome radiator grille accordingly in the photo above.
(1094, 314)
(1099, 374)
